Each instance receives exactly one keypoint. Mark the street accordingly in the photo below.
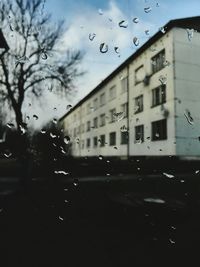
(97, 224)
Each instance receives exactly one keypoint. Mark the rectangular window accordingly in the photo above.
(124, 84)
(74, 132)
(124, 108)
(102, 120)
(102, 140)
(95, 122)
(124, 138)
(159, 130)
(88, 126)
(139, 133)
(88, 108)
(82, 144)
(157, 61)
(102, 99)
(112, 115)
(113, 139)
(95, 103)
(82, 128)
(88, 142)
(139, 74)
(138, 104)
(112, 92)
(95, 141)
(159, 95)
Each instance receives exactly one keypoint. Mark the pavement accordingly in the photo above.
(100, 221)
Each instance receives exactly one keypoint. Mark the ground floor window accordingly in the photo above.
(113, 139)
(159, 130)
(124, 138)
(102, 140)
(95, 141)
(139, 133)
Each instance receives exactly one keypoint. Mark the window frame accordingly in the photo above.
(141, 133)
(162, 136)
(160, 58)
(110, 139)
(161, 100)
(141, 108)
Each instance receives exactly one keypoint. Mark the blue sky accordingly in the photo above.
(83, 18)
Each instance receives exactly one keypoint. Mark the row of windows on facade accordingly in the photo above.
(157, 64)
(158, 98)
(101, 121)
(158, 130)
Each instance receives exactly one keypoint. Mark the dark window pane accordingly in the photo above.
(159, 130)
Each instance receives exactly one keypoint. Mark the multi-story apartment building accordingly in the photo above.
(149, 105)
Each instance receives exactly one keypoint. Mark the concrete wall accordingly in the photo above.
(187, 92)
(150, 114)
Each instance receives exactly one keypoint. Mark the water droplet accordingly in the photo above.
(23, 59)
(61, 218)
(188, 116)
(139, 141)
(107, 174)
(61, 172)
(103, 48)
(28, 117)
(166, 63)
(100, 11)
(115, 147)
(136, 41)
(123, 24)
(182, 181)
(136, 20)
(75, 184)
(52, 135)
(44, 55)
(163, 79)
(197, 171)
(55, 121)
(43, 131)
(92, 36)
(66, 201)
(100, 157)
(147, 9)
(55, 109)
(168, 175)
(66, 140)
(173, 227)
(118, 116)
(35, 117)
(152, 49)
(147, 32)
(162, 29)
(190, 34)
(10, 125)
(69, 107)
(117, 50)
(154, 200)
(157, 5)
(171, 241)
(7, 154)
(22, 129)
(65, 189)
(124, 129)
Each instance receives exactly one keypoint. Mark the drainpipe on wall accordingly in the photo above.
(128, 124)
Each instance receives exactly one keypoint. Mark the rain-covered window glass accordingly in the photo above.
(159, 130)
(158, 61)
(124, 138)
(139, 74)
(102, 140)
(124, 108)
(102, 99)
(88, 142)
(112, 92)
(88, 126)
(102, 120)
(138, 104)
(139, 133)
(112, 138)
(95, 141)
(124, 84)
(112, 115)
(95, 103)
(95, 122)
(159, 95)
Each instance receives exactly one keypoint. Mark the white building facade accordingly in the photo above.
(149, 106)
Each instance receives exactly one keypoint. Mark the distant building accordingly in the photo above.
(149, 105)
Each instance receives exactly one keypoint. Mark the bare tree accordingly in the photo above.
(34, 55)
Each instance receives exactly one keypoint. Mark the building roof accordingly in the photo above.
(186, 23)
(3, 43)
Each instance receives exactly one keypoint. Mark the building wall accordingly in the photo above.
(187, 92)
(87, 111)
(149, 113)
